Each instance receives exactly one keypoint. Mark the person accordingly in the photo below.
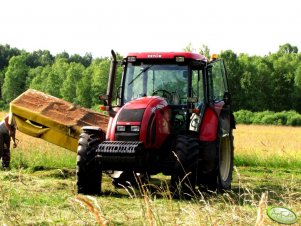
(7, 133)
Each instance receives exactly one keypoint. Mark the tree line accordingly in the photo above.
(265, 83)
(257, 83)
(77, 79)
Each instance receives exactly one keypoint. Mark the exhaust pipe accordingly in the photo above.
(111, 82)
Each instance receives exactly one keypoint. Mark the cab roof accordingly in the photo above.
(167, 55)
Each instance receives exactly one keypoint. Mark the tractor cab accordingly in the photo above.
(187, 81)
(169, 78)
(168, 75)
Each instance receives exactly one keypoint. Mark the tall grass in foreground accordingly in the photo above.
(40, 198)
(46, 194)
(243, 206)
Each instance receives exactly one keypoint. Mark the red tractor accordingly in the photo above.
(172, 116)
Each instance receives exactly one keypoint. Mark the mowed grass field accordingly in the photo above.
(40, 188)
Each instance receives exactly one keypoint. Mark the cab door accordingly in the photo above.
(218, 94)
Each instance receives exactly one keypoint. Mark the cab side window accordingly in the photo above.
(217, 81)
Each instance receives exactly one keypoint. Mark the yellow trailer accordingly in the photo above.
(52, 119)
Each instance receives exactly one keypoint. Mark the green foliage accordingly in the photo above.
(73, 75)
(39, 77)
(244, 117)
(83, 89)
(3, 106)
(257, 83)
(284, 118)
(72, 81)
(15, 78)
(6, 53)
(100, 74)
(270, 82)
(39, 58)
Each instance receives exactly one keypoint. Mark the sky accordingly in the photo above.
(255, 27)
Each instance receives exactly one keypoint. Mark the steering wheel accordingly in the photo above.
(164, 93)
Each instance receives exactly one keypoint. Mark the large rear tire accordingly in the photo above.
(183, 179)
(225, 162)
(88, 171)
(220, 178)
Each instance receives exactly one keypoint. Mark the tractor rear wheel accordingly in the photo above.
(220, 178)
(225, 162)
(88, 171)
(183, 179)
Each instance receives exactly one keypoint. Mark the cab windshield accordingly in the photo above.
(165, 80)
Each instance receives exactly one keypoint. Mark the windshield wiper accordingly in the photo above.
(144, 70)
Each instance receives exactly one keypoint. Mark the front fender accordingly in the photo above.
(94, 130)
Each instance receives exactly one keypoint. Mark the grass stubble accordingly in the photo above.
(40, 188)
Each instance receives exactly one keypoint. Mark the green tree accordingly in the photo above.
(284, 64)
(205, 51)
(62, 55)
(6, 53)
(15, 78)
(188, 48)
(39, 77)
(85, 60)
(100, 69)
(56, 77)
(234, 73)
(287, 49)
(83, 90)
(39, 58)
(2, 76)
(53, 83)
(73, 75)
(297, 92)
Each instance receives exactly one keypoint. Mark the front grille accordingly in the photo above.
(126, 136)
(118, 147)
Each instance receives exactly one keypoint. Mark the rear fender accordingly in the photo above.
(209, 125)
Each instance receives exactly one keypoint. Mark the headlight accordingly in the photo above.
(120, 128)
(135, 128)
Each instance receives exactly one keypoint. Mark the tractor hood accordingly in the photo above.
(145, 102)
(150, 114)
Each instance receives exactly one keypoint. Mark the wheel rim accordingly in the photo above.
(225, 158)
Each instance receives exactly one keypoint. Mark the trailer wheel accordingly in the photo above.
(183, 179)
(88, 171)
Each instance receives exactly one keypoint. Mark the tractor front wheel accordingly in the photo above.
(88, 171)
